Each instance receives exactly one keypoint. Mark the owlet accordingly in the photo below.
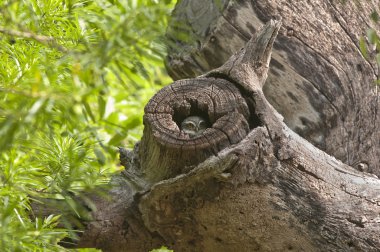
(193, 125)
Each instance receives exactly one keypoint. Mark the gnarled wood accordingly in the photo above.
(309, 202)
(272, 190)
(165, 150)
(318, 80)
(306, 199)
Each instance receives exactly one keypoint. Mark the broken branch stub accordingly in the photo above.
(225, 107)
(166, 150)
(318, 79)
(249, 66)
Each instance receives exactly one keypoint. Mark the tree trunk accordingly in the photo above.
(318, 79)
(251, 182)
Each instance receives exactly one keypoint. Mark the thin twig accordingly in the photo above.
(45, 40)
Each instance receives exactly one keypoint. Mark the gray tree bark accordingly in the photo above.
(290, 158)
(318, 79)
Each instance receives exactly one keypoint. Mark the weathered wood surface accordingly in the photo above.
(318, 79)
(310, 202)
(165, 150)
(272, 191)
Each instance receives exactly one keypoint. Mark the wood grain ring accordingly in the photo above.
(217, 100)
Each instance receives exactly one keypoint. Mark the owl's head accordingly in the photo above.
(194, 125)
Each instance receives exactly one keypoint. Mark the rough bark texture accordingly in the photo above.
(251, 182)
(318, 79)
(167, 151)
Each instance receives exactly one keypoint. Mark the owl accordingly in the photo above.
(193, 125)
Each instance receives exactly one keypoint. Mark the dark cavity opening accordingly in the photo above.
(183, 112)
(254, 120)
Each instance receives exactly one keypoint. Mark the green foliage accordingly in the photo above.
(74, 78)
(162, 249)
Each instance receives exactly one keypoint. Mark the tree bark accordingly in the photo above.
(318, 79)
(290, 158)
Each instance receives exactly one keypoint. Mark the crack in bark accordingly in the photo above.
(373, 202)
(302, 168)
(320, 90)
(355, 45)
(348, 35)
(338, 68)
(196, 62)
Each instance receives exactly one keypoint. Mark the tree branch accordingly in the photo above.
(45, 40)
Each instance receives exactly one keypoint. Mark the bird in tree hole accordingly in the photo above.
(194, 125)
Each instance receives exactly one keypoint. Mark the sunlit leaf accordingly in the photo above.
(101, 106)
(363, 47)
(100, 156)
(162, 249)
(117, 138)
(372, 36)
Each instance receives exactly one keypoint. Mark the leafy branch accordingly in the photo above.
(45, 40)
(74, 78)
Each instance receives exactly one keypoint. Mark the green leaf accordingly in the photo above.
(372, 36)
(37, 106)
(117, 138)
(8, 129)
(100, 156)
(101, 106)
(363, 47)
(162, 249)
(89, 110)
(133, 122)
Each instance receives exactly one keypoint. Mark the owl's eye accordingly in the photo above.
(202, 125)
(189, 126)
